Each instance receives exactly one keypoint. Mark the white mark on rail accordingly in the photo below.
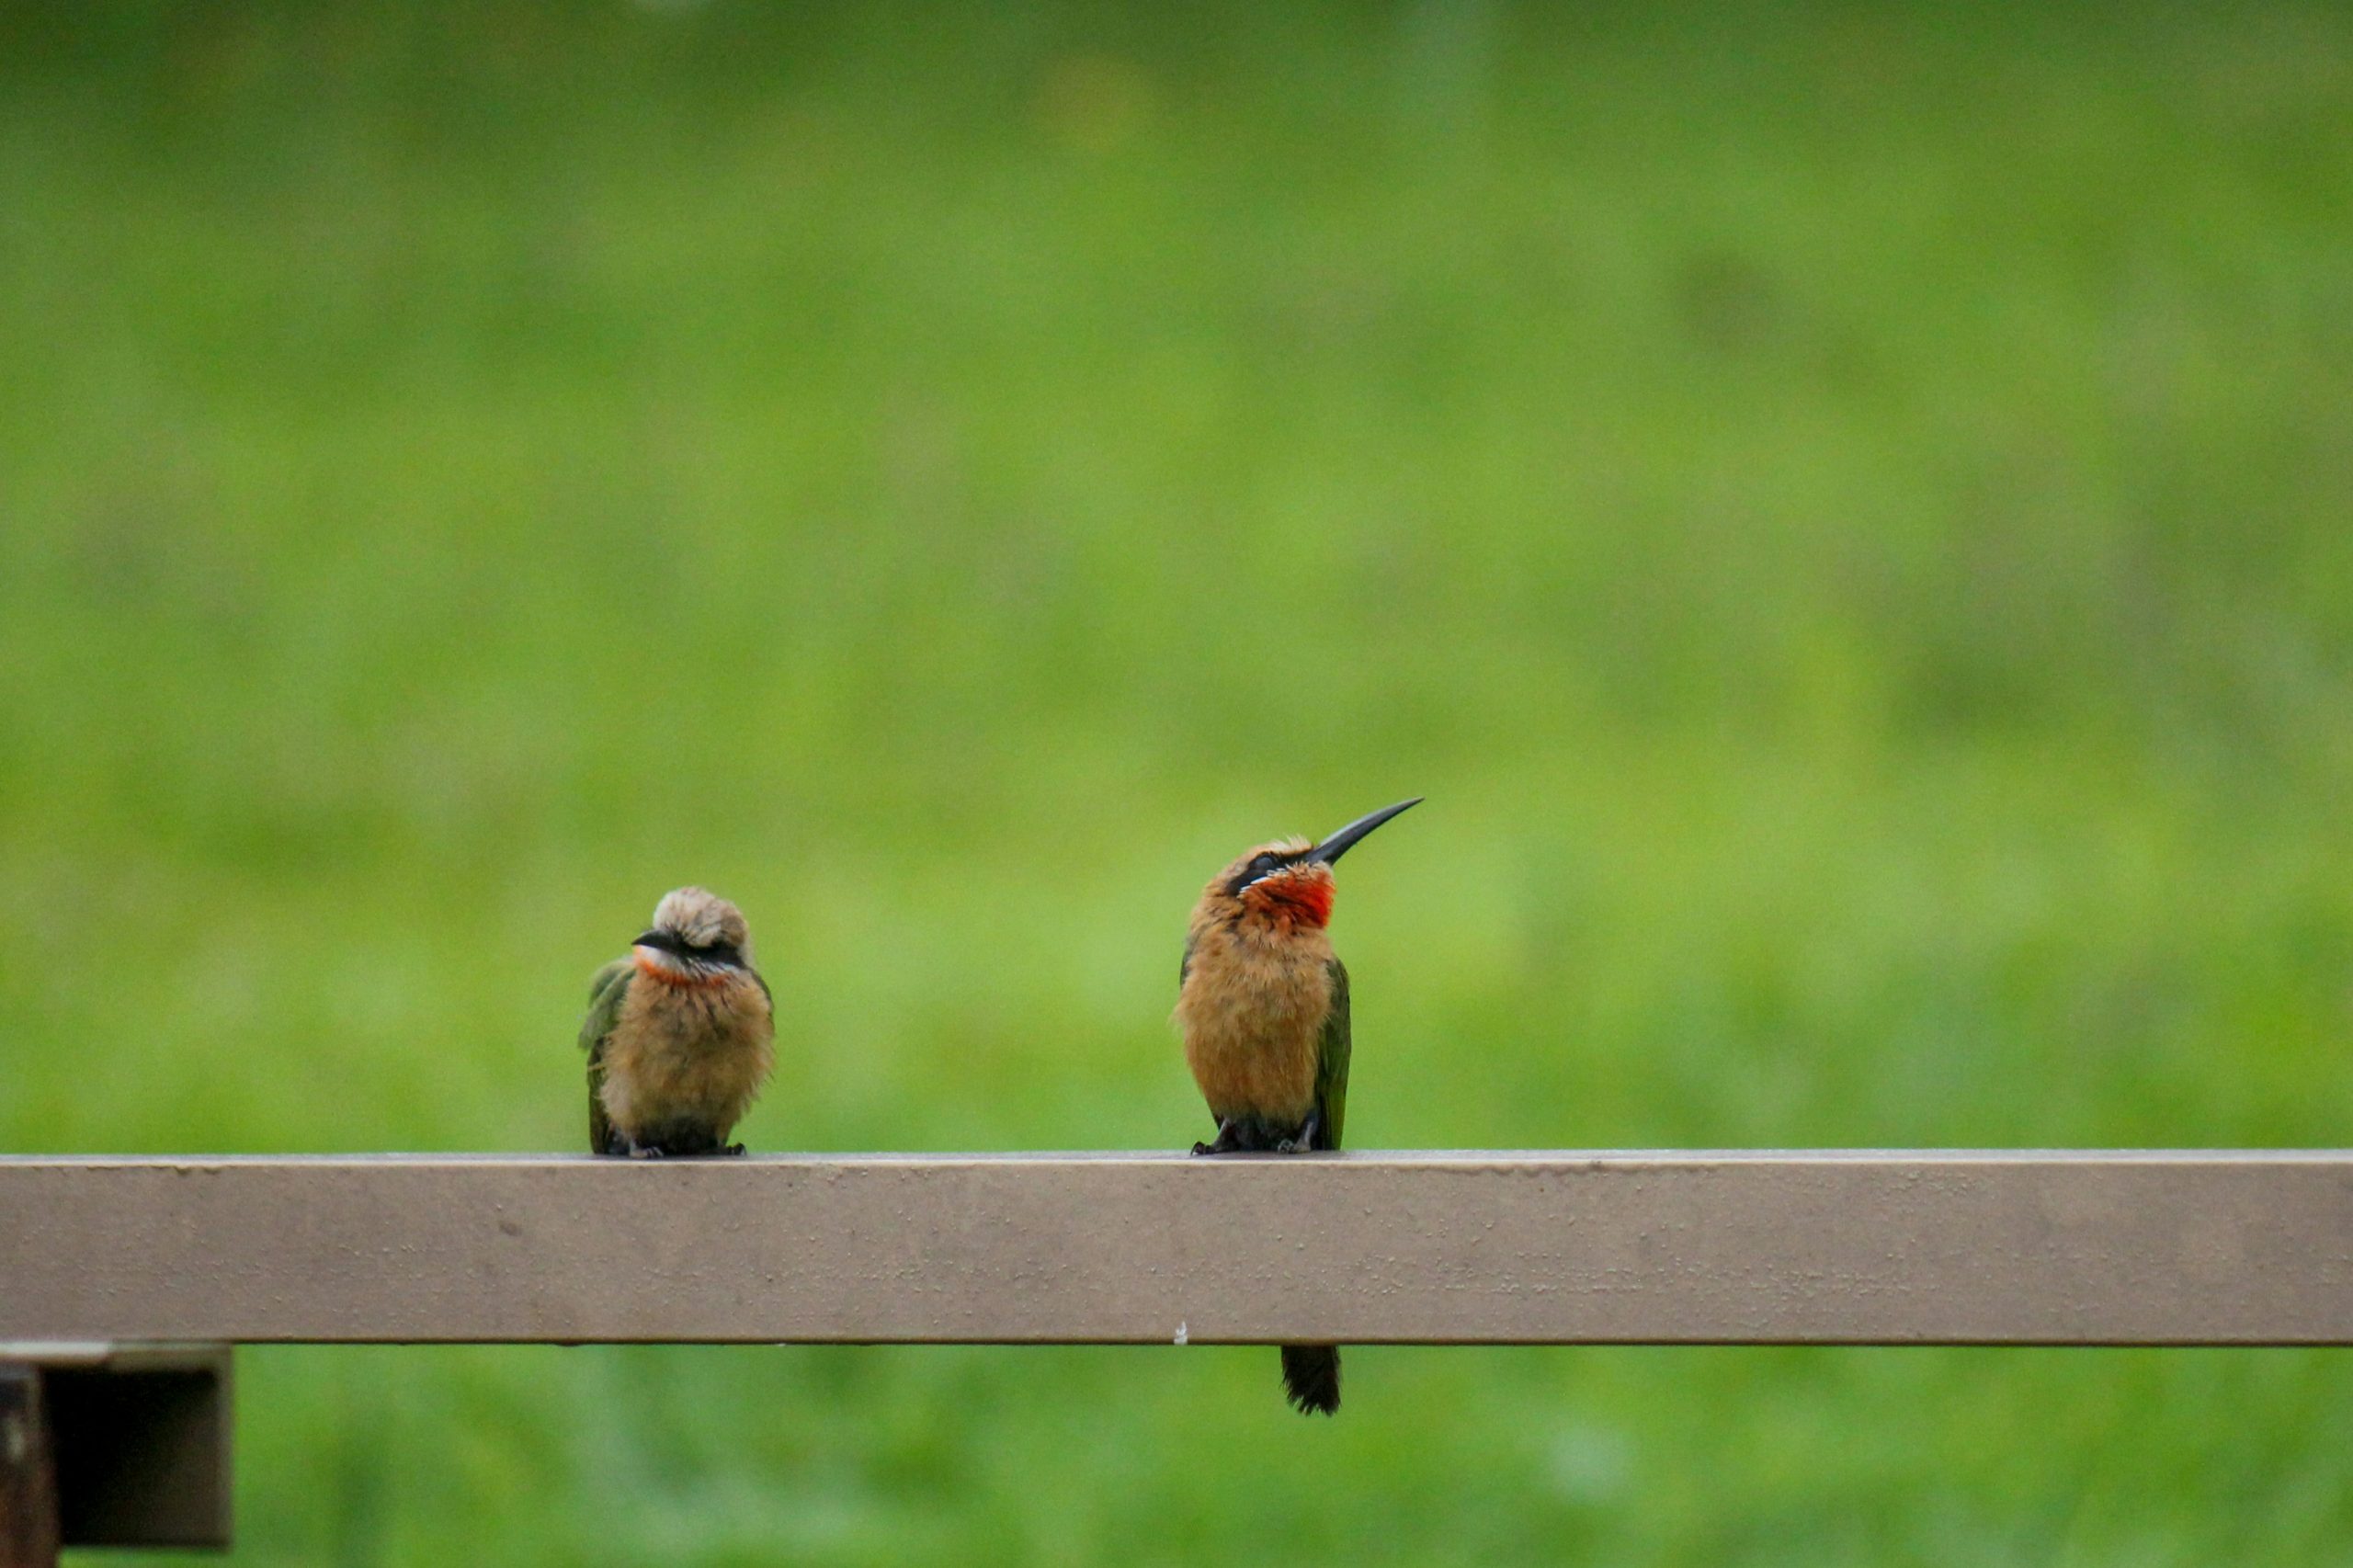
(1181, 1335)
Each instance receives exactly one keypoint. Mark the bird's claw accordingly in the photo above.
(645, 1151)
(733, 1150)
(1224, 1145)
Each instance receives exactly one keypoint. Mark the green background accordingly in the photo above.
(1847, 513)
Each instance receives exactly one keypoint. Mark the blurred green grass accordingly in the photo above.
(1845, 512)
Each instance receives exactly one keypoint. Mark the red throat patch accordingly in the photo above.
(654, 969)
(1307, 900)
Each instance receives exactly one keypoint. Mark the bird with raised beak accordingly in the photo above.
(678, 1034)
(1263, 1003)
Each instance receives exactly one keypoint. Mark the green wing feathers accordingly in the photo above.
(1332, 1061)
(605, 994)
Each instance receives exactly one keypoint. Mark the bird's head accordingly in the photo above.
(1287, 884)
(697, 938)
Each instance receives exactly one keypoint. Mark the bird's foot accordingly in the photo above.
(733, 1150)
(1303, 1141)
(645, 1151)
(1224, 1145)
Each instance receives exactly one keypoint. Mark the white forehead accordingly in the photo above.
(699, 916)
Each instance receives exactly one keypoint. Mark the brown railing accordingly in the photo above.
(102, 1260)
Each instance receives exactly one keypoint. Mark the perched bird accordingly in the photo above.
(677, 1034)
(1263, 1005)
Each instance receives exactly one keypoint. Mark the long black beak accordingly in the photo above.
(1340, 843)
(662, 942)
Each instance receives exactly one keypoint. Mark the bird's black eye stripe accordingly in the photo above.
(726, 953)
(1260, 864)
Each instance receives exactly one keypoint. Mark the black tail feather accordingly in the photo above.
(1312, 1378)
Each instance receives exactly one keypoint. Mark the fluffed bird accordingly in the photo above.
(678, 1034)
(1263, 1003)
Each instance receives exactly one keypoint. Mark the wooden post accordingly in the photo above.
(28, 1475)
